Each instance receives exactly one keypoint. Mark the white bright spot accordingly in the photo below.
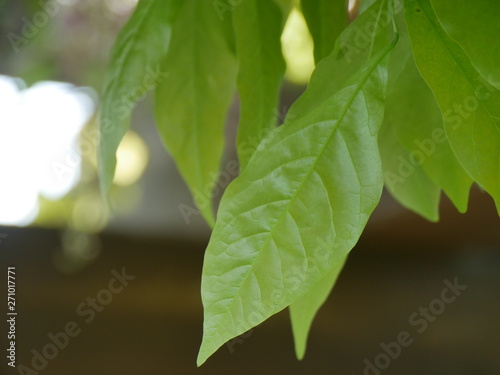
(352, 4)
(121, 7)
(39, 151)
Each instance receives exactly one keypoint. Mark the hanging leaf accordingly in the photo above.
(422, 147)
(134, 70)
(470, 106)
(316, 180)
(192, 102)
(258, 25)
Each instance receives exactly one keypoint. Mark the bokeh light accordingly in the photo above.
(39, 151)
(131, 159)
(297, 48)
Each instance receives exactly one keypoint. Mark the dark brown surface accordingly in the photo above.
(154, 326)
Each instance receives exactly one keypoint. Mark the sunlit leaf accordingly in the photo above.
(193, 99)
(313, 181)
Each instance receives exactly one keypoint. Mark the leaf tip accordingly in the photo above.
(433, 216)
(200, 361)
(300, 352)
(202, 358)
(206, 350)
(462, 208)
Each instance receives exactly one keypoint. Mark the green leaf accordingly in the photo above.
(312, 181)
(353, 48)
(414, 115)
(470, 106)
(474, 25)
(407, 182)
(304, 309)
(258, 25)
(326, 19)
(134, 70)
(192, 102)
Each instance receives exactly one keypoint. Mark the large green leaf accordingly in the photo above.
(474, 25)
(314, 180)
(192, 102)
(352, 49)
(325, 19)
(258, 25)
(407, 182)
(134, 70)
(470, 106)
(414, 115)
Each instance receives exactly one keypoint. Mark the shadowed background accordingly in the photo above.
(66, 247)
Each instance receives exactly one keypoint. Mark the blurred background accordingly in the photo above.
(65, 243)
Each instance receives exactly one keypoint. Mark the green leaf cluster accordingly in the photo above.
(404, 95)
